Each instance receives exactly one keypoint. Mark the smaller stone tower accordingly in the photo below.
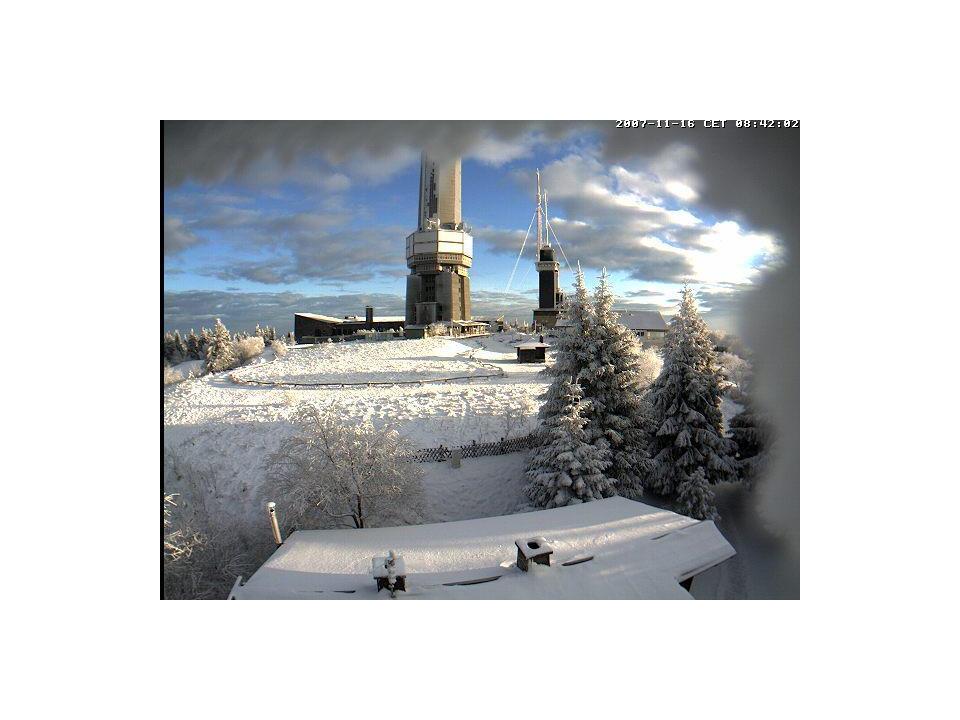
(548, 268)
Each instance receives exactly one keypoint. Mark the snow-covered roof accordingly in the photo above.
(352, 318)
(323, 318)
(642, 319)
(607, 549)
(531, 346)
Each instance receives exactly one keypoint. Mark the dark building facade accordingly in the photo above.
(550, 296)
(309, 327)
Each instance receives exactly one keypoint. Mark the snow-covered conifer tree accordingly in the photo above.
(180, 347)
(220, 353)
(168, 348)
(614, 381)
(193, 345)
(566, 469)
(752, 434)
(291, 340)
(572, 349)
(685, 403)
(695, 497)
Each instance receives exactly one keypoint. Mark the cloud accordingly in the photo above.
(243, 310)
(177, 236)
(273, 152)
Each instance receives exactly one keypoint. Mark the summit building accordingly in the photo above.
(440, 251)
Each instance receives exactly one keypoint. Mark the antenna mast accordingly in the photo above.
(546, 220)
(539, 216)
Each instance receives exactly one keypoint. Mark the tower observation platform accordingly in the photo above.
(440, 251)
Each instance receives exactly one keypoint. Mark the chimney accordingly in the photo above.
(369, 317)
(535, 549)
(390, 573)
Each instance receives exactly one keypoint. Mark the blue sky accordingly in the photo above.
(261, 220)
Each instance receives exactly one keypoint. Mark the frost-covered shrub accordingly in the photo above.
(435, 330)
(249, 348)
(171, 375)
(279, 348)
(333, 474)
(203, 550)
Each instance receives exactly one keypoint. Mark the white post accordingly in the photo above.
(272, 512)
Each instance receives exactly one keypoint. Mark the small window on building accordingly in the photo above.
(642, 333)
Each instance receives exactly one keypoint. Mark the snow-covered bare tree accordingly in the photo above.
(566, 468)
(695, 497)
(614, 381)
(220, 353)
(333, 474)
(685, 404)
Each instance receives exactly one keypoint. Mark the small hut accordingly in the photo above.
(532, 352)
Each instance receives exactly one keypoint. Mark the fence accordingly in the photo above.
(475, 449)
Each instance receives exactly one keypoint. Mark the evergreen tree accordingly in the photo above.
(221, 354)
(291, 340)
(572, 349)
(614, 383)
(169, 348)
(752, 434)
(566, 469)
(272, 333)
(685, 402)
(193, 345)
(695, 497)
(179, 347)
(258, 331)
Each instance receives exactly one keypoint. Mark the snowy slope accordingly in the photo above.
(226, 431)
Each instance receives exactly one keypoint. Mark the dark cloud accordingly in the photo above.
(209, 152)
(177, 236)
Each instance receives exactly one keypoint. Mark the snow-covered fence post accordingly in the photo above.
(272, 512)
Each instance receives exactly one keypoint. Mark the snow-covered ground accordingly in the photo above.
(225, 431)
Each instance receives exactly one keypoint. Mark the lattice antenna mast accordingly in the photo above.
(546, 221)
(539, 215)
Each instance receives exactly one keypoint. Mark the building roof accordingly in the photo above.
(607, 549)
(351, 319)
(531, 346)
(642, 319)
(322, 318)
